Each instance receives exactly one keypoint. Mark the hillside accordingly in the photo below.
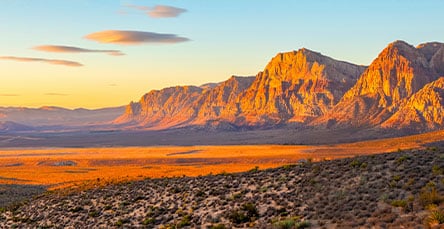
(403, 189)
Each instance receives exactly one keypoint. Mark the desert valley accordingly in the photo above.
(304, 109)
(316, 114)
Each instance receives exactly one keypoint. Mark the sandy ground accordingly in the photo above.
(61, 167)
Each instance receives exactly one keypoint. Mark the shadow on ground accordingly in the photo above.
(15, 193)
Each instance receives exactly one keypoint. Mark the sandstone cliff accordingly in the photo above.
(424, 110)
(400, 89)
(397, 73)
(296, 86)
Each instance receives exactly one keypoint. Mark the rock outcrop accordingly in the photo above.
(424, 110)
(308, 88)
(296, 86)
(395, 75)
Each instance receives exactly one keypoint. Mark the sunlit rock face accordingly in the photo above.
(423, 110)
(400, 89)
(296, 86)
(395, 75)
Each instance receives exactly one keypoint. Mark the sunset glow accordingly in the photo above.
(96, 54)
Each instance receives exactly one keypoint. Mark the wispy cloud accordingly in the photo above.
(49, 61)
(159, 11)
(9, 95)
(56, 94)
(70, 49)
(133, 37)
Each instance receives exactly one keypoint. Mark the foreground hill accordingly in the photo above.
(403, 189)
(304, 88)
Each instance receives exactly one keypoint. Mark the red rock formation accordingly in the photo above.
(424, 110)
(397, 73)
(296, 86)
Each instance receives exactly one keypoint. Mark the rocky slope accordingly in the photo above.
(296, 86)
(293, 87)
(394, 190)
(423, 110)
(393, 77)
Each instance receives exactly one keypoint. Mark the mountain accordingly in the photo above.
(57, 116)
(424, 110)
(294, 86)
(8, 126)
(183, 105)
(399, 72)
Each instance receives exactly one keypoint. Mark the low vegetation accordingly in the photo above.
(401, 189)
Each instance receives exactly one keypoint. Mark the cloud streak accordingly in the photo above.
(49, 61)
(159, 11)
(126, 37)
(70, 49)
(56, 94)
(9, 95)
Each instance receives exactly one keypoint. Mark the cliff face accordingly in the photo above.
(423, 110)
(397, 73)
(296, 86)
(305, 87)
(181, 106)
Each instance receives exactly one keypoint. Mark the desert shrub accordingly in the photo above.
(94, 213)
(148, 221)
(399, 203)
(218, 226)
(396, 178)
(401, 159)
(247, 213)
(284, 224)
(355, 163)
(255, 169)
(429, 195)
(186, 221)
(435, 217)
(120, 222)
(251, 210)
(437, 170)
(237, 217)
(289, 166)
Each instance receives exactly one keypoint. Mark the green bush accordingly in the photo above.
(399, 203)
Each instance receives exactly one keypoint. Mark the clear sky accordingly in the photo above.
(70, 53)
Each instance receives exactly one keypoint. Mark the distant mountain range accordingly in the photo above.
(57, 116)
(403, 88)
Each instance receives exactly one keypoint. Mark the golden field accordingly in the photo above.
(61, 167)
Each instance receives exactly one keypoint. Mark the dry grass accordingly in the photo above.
(38, 166)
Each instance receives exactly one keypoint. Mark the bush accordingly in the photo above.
(247, 213)
(399, 203)
(218, 226)
(435, 217)
(429, 195)
(186, 221)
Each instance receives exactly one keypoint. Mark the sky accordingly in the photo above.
(104, 53)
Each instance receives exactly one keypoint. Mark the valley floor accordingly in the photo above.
(392, 190)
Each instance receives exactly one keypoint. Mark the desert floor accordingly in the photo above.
(62, 167)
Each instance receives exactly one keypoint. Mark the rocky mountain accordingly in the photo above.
(399, 72)
(293, 87)
(296, 86)
(401, 89)
(423, 110)
(184, 105)
(8, 126)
